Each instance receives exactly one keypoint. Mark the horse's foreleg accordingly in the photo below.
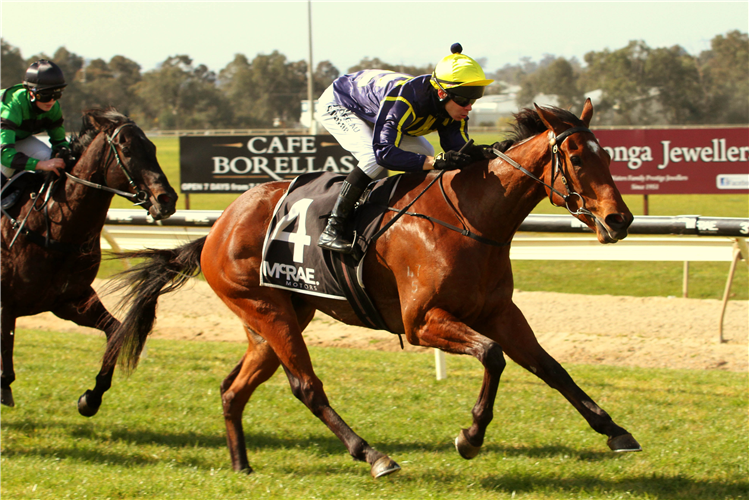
(519, 343)
(90, 312)
(443, 331)
(257, 365)
(8, 375)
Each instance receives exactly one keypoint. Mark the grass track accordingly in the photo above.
(160, 432)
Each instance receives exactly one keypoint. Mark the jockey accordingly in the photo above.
(30, 108)
(380, 117)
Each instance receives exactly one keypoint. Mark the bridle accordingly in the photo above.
(558, 167)
(140, 197)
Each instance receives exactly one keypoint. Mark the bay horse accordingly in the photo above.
(51, 239)
(430, 283)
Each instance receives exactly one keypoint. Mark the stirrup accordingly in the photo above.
(340, 245)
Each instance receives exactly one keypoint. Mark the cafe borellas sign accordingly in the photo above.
(234, 164)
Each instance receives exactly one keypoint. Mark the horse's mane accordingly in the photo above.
(528, 124)
(88, 131)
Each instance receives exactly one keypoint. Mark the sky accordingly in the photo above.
(403, 32)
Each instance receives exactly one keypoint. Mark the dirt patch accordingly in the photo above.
(588, 329)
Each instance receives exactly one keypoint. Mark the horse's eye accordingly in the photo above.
(576, 160)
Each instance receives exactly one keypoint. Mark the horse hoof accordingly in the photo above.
(6, 397)
(466, 449)
(624, 443)
(87, 406)
(384, 466)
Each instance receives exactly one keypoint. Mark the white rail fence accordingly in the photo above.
(660, 239)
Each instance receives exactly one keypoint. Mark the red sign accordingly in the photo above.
(678, 161)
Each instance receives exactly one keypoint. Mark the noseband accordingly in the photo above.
(557, 168)
(140, 197)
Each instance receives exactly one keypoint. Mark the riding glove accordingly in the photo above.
(486, 152)
(452, 160)
(67, 155)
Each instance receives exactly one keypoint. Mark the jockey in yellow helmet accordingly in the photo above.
(381, 118)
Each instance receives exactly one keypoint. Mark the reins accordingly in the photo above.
(140, 198)
(404, 211)
(140, 195)
(556, 169)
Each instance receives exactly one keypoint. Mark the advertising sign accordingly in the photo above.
(678, 161)
(234, 164)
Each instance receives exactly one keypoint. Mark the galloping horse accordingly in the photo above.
(434, 285)
(51, 241)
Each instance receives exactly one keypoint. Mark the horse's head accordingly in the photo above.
(130, 162)
(580, 176)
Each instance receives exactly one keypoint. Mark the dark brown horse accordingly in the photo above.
(51, 242)
(432, 284)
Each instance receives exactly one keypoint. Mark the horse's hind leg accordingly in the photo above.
(257, 365)
(90, 312)
(7, 326)
(520, 344)
(273, 316)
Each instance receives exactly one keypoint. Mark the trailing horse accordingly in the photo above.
(434, 285)
(51, 238)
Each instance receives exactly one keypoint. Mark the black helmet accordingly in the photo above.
(44, 75)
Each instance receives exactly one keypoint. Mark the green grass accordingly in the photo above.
(160, 432)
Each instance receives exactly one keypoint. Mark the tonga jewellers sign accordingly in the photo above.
(234, 164)
(678, 161)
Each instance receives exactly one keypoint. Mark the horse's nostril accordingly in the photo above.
(164, 199)
(617, 221)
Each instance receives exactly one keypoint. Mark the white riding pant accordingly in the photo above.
(32, 147)
(355, 134)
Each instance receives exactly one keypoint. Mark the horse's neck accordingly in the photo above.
(506, 195)
(85, 204)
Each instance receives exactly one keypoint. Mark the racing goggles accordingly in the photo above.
(49, 95)
(460, 100)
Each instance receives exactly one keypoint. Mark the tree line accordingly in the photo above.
(637, 85)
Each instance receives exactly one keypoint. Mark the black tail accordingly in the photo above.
(161, 272)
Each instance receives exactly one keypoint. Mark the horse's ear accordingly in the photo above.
(96, 121)
(550, 120)
(587, 113)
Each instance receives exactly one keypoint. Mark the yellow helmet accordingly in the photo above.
(459, 74)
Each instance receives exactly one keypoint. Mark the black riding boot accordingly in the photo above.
(334, 237)
(9, 198)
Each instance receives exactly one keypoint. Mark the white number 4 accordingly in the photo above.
(299, 238)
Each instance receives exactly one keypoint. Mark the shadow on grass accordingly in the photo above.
(103, 447)
(97, 445)
(653, 486)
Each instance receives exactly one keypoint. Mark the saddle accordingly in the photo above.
(11, 192)
(13, 188)
(293, 261)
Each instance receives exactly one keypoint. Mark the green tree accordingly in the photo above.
(673, 78)
(725, 70)
(12, 65)
(110, 84)
(180, 96)
(621, 76)
(235, 82)
(324, 75)
(559, 78)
